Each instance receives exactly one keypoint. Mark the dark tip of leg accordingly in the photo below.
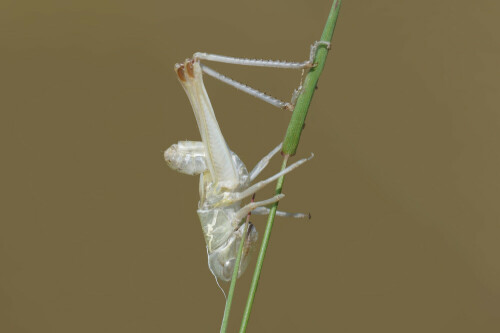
(179, 68)
(189, 68)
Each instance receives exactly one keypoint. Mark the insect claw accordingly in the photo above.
(289, 107)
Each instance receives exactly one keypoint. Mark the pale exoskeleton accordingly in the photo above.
(224, 179)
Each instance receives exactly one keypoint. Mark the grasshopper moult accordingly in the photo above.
(224, 179)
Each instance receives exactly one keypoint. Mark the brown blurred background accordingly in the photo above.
(97, 234)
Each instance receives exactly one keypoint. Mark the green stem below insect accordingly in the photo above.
(232, 287)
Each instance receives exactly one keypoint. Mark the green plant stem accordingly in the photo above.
(290, 144)
(296, 124)
(262, 252)
(232, 287)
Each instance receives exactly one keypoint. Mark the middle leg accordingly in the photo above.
(237, 196)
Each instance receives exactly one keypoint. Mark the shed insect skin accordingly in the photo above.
(224, 180)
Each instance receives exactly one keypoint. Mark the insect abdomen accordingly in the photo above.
(217, 227)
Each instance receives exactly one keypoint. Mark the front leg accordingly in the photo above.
(263, 163)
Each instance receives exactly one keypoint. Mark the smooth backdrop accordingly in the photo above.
(98, 235)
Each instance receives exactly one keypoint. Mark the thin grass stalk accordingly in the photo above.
(290, 145)
(232, 287)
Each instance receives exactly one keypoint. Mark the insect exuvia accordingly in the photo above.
(224, 179)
